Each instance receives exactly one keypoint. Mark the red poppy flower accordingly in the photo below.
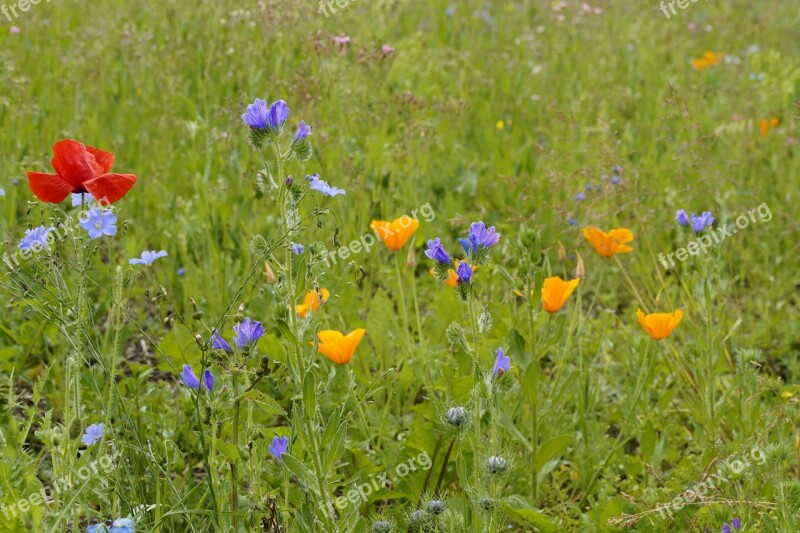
(80, 168)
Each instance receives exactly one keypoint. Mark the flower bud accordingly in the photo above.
(418, 518)
(457, 416)
(496, 464)
(486, 504)
(436, 507)
(74, 429)
(382, 526)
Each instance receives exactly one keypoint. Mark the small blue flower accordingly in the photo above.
(463, 272)
(78, 198)
(317, 184)
(736, 524)
(181, 271)
(436, 251)
(99, 222)
(188, 377)
(93, 434)
(120, 525)
(218, 343)
(701, 222)
(616, 169)
(148, 257)
(2, 192)
(256, 116)
(247, 333)
(303, 131)
(480, 237)
(726, 528)
(208, 379)
(279, 446)
(298, 249)
(501, 363)
(580, 197)
(277, 115)
(616, 180)
(35, 239)
(588, 187)
(572, 222)
(681, 217)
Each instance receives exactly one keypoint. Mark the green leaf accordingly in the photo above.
(309, 395)
(335, 448)
(230, 451)
(283, 327)
(552, 449)
(521, 510)
(647, 443)
(267, 403)
(529, 381)
(303, 473)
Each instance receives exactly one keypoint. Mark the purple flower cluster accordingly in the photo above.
(480, 238)
(697, 222)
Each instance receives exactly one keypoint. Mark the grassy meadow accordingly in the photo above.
(541, 119)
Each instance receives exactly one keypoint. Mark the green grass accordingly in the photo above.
(163, 86)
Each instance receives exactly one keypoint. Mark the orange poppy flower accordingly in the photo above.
(659, 325)
(395, 234)
(708, 60)
(338, 347)
(452, 279)
(767, 124)
(555, 292)
(312, 302)
(608, 244)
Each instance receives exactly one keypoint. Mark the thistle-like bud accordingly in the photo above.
(74, 430)
(289, 182)
(484, 322)
(455, 336)
(418, 518)
(382, 526)
(496, 464)
(457, 416)
(435, 507)
(239, 316)
(486, 504)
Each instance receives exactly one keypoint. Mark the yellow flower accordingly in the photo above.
(339, 347)
(787, 395)
(659, 325)
(608, 244)
(396, 233)
(555, 292)
(708, 60)
(500, 125)
(452, 278)
(312, 302)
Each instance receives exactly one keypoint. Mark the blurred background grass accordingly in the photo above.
(501, 111)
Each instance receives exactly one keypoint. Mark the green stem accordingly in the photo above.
(235, 442)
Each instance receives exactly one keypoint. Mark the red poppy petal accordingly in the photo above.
(105, 160)
(74, 163)
(110, 188)
(48, 187)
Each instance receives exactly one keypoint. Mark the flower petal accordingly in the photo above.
(110, 188)
(48, 187)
